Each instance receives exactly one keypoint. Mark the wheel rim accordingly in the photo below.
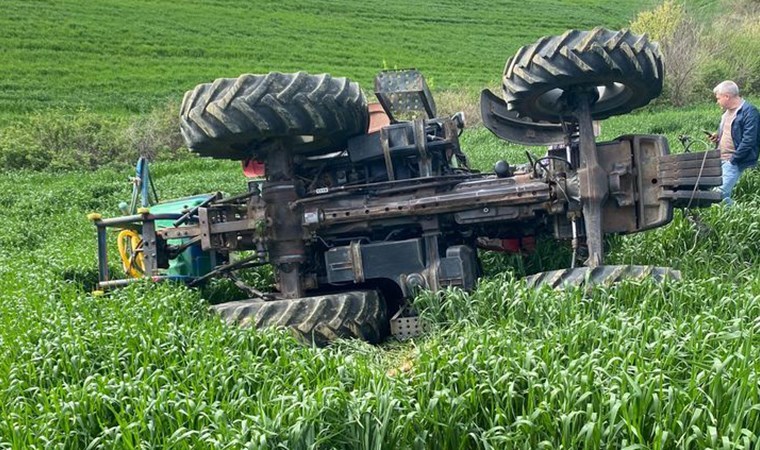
(610, 97)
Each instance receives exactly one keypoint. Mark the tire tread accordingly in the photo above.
(233, 118)
(580, 58)
(601, 275)
(319, 319)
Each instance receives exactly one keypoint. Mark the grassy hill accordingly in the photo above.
(637, 365)
(126, 56)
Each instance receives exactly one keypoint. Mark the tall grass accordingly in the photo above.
(65, 140)
(637, 365)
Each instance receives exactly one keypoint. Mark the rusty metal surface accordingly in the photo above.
(285, 245)
(404, 95)
(688, 179)
(619, 211)
(149, 246)
(403, 328)
(686, 170)
(505, 124)
(180, 232)
(466, 196)
(594, 187)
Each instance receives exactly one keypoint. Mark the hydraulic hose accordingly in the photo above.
(130, 250)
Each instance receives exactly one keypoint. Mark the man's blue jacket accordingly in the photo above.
(745, 131)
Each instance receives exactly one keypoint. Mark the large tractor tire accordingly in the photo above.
(623, 70)
(318, 320)
(601, 275)
(232, 118)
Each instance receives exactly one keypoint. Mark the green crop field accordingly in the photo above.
(637, 365)
(125, 56)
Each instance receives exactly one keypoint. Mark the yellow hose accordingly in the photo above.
(130, 250)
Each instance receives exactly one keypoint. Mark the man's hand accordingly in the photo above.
(712, 137)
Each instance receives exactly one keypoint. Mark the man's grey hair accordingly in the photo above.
(727, 87)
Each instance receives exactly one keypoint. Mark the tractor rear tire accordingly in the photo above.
(601, 275)
(232, 118)
(625, 71)
(318, 320)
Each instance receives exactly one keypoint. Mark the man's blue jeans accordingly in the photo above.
(731, 174)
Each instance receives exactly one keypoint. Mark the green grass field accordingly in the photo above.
(130, 56)
(632, 366)
(635, 365)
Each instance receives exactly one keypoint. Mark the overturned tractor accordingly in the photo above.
(355, 215)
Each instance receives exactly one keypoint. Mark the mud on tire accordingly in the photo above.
(320, 319)
(604, 275)
(625, 69)
(233, 117)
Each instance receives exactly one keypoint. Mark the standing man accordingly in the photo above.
(737, 136)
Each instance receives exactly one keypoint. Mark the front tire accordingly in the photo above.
(623, 70)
